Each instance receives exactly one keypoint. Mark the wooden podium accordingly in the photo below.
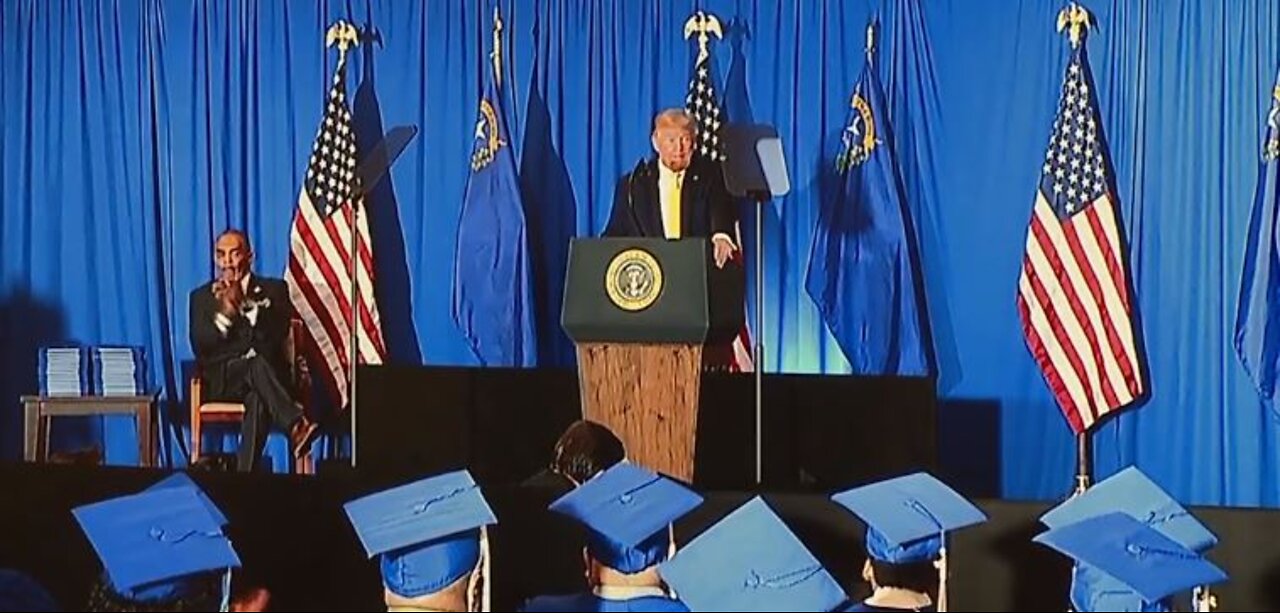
(640, 311)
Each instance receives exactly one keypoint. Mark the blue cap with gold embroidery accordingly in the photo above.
(907, 516)
(426, 532)
(1135, 556)
(156, 545)
(750, 561)
(627, 510)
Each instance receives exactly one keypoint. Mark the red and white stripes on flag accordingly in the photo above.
(1073, 297)
(319, 269)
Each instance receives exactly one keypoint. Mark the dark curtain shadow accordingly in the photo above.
(551, 211)
(969, 446)
(26, 324)
(736, 103)
(392, 284)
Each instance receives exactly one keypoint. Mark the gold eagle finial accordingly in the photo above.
(344, 34)
(702, 23)
(1076, 20)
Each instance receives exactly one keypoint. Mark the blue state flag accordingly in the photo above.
(861, 272)
(492, 284)
(1257, 337)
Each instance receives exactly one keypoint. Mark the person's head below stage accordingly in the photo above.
(627, 511)
(233, 255)
(161, 550)
(585, 450)
(1107, 580)
(20, 592)
(750, 561)
(429, 537)
(1123, 564)
(674, 136)
(907, 521)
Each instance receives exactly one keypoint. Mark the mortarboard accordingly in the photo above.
(1134, 555)
(907, 516)
(750, 561)
(154, 545)
(627, 510)
(426, 532)
(1131, 492)
(181, 479)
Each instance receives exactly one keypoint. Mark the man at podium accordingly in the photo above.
(676, 195)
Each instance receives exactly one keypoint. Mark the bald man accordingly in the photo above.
(239, 323)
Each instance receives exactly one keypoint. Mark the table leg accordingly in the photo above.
(143, 421)
(30, 429)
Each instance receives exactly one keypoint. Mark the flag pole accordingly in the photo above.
(1075, 20)
(345, 36)
(1083, 469)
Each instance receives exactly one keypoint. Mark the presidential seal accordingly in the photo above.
(633, 280)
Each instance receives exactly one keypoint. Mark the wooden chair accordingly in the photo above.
(233, 413)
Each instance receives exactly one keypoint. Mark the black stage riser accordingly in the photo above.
(820, 432)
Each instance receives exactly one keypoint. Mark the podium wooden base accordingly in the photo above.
(648, 395)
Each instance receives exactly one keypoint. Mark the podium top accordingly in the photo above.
(650, 290)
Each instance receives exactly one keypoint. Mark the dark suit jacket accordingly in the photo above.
(214, 351)
(706, 208)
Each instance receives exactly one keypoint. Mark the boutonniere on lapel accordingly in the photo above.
(256, 298)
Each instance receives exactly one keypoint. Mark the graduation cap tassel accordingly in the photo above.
(942, 576)
(226, 592)
(1202, 599)
(485, 591)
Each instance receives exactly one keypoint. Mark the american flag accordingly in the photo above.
(1073, 299)
(319, 272)
(702, 104)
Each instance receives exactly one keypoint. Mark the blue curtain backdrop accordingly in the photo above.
(134, 130)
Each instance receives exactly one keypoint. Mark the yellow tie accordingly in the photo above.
(671, 209)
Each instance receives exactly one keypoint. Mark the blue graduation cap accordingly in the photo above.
(750, 561)
(426, 532)
(1130, 491)
(1132, 556)
(627, 510)
(182, 479)
(156, 545)
(907, 516)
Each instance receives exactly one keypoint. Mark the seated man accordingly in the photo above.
(907, 518)
(431, 542)
(627, 511)
(162, 550)
(239, 324)
(1123, 564)
(750, 561)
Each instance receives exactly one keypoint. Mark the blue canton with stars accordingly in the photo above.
(331, 172)
(1074, 173)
